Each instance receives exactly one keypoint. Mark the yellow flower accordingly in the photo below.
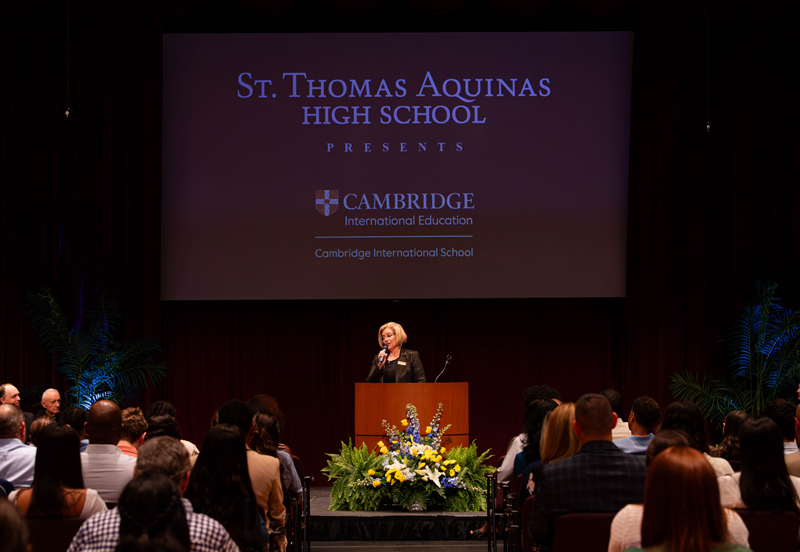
(384, 450)
(413, 452)
(428, 429)
(380, 444)
(452, 473)
(443, 450)
(401, 477)
(371, 472)
(392, 483)
(388, 477)
(457, 468)
(404, 422)
(376, 483)
(419, 472)
(424, 478)
(438, 458)
(422, 464)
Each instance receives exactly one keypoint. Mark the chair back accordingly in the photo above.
(52, 535)
(771, 531)
(582, 532)
(527, 508)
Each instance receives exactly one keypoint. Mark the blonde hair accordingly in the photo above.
(398, 330)
(558, 437)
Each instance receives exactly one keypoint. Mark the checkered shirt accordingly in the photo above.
(101, 532)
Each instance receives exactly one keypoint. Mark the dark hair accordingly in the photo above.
(539, 393)
(534, 418)
(74, 417)
(691, 520)
(781, 412)
(236, 413)
(152, 516)
(57, 468)
(729, 447)
(38, 425)
(615, 398)
(13, 528)
(685, 415)
(663, 440)
(594, 415)
(765, 483)
(265, 434)
(162, 408)
(220, 487)
(268, 405)
(647, 412)
(162, 425)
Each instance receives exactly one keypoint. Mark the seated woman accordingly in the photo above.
(534, 420)
(219, 487)
(57, 489)
(265, 441)
(686, 416)
(764, 482)
(681, 511)
(729, 447)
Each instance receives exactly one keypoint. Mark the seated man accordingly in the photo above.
(17, 460)
(643, 418)
(9, 394)
(166, 408)
(105, 468)
(134, 428)
(782, 413)
(621, 430)
(165, 456)
(75, 418)
(599, 478)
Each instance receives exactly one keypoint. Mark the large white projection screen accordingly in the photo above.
(374, 166)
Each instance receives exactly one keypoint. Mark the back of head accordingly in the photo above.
(162, 426)
(10, 419)
(265, 434)
(663, 440)
(103, 423)
(685, 415)
(13, 528)
(163, 455)
(691, 519)
(152, 516)
(236, 413)
(37, 426)
(647, 412)
(58, 466)
(534, 419)
(133, 424)
(781, 412)
(74, 417)
(733, 423)
(615, 398)
(559, 439)
(267, 405)
(594, 416)
(765, 482)
(540, 393)
(162, 408)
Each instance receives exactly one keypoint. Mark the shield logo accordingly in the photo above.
(327, 201)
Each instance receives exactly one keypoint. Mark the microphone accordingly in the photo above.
(446, 362)
(385, 351)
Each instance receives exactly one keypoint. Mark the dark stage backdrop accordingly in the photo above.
(80, 205)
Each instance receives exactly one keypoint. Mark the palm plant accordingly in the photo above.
(763, 361)
(89, 358)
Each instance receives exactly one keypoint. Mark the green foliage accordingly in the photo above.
(473, 476)
(89, 358)
(352, 489)
(763, 361)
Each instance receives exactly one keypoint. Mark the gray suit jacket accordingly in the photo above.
(409, 369)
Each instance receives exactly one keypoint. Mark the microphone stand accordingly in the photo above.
(446, 362)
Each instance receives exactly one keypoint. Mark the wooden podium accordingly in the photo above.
(376, 402)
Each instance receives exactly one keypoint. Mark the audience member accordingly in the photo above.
(685, 415)
(163, 426)
(269, 405)
(534, 419)
(621, 430)
(534, 393)
(598, 478)
(641, 421)
(51, 402)
(13, 529)
(168, 457)
(264, 471)
(663, 440)
(105, 468)
(793, 460)
(165, 408)
(689, 520)
(266, 437)
(558, 441)
(58, 489)
(152, 517)
(38, 425)
(17, 460)
(781, 412)
(764, 482)
(729, 447)
(220, 487)
(9, 394)
(133, 431)
(75, 418)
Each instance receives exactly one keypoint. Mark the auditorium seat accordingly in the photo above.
(527, 508)
(582, 532)
(52, 535)
(771, 531)
(298, 466)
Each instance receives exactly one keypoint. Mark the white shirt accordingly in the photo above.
(17, 462)
(730, 495)
(721, 467)
(622, 431)
(107, 470)
(626, 529)
(91, 506)
(506, 470)
(190, 448)
(789, 448)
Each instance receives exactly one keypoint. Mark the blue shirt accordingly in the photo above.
(634, 444)
(17, 461)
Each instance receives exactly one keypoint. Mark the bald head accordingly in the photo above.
(12, 422)
(51, 402)
(9, 394)
(104, 423)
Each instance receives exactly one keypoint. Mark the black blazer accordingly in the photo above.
(410, 372)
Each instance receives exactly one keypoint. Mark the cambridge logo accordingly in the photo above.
(327, 201)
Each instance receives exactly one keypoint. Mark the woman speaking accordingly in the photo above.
(394, 364)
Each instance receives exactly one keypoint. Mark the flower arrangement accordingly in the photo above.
(412, 470)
